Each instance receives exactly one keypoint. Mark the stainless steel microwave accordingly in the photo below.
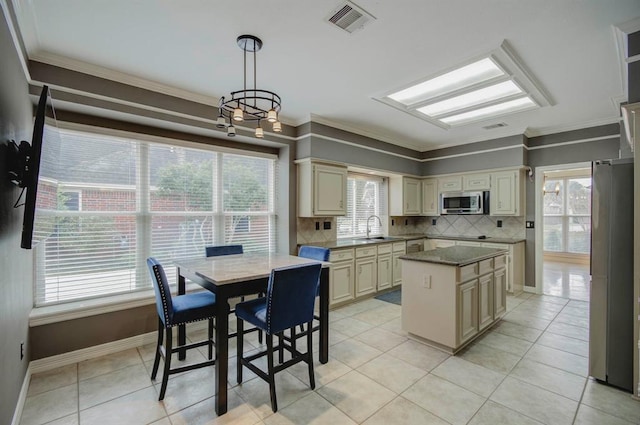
(464, 202)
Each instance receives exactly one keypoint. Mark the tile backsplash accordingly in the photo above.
(446, 225)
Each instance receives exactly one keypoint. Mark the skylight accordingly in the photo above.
(479, 90)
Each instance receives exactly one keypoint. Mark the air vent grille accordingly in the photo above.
(349, 17)
(492, 126)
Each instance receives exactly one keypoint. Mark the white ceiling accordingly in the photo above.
(327, 74)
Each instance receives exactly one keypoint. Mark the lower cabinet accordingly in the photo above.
(485, 301)
(366, 271)
(467, 311)
(342, 277)
(385, 267)
(399, 248)
(499, 292)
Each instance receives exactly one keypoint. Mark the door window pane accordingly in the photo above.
(553, 234)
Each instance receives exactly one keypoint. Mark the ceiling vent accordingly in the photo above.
(492, 126)
(349, 17)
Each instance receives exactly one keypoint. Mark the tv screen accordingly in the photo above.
(44, 126)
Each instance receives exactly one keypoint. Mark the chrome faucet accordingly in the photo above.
(369, 228)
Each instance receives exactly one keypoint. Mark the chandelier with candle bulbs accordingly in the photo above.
(250, 103)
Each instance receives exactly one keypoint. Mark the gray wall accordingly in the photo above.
(15, 264)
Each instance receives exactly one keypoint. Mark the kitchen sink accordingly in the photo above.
(380, 238)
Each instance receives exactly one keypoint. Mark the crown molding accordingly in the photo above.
(543, 131)
(121, 77)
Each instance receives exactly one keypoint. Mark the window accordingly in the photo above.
(121, 201)
(366, 196)
(567, 214)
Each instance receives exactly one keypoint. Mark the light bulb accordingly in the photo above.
(272, 115)
(238, 115)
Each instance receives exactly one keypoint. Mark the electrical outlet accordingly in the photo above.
(433, 221)
(406, 222)
(499, 223)
(327, 225)
(393, 222)
(529, 224)
(317, 225)
(21, 350)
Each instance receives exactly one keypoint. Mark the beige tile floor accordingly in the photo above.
(529, 369)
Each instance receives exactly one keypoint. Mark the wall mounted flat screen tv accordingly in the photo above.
(26, 167)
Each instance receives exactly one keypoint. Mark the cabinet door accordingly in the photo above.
(341, 288)
(499, 293)
(467, 310)
(397, 269)
(485, 301)
(509, 258)
(365, 276)
(330, 190)
(476, 182)
(504, 196)
(450, 184)
(430, 197)
(384, 271)
(411, 189)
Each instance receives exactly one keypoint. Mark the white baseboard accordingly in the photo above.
(17, 414)
(529, 289)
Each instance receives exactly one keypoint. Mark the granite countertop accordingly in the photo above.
(475, 239)
(454, 255)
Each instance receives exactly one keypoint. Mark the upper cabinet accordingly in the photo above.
(472, 182)
(430, 197)
(507, 193)
(405, 195)
(450, 183)
(322, 189)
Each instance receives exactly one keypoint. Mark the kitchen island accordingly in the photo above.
(452, 295)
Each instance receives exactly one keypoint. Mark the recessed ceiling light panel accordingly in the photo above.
(483, 88)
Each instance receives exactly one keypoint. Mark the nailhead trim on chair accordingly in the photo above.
(163, 295)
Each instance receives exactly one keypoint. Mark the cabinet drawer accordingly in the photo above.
(341, 255)
(485, 266)
(369, 251)
(399, 247)
(467, 272)
(384, 249)
(500, 261)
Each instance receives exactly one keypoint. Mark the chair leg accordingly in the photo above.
(239, 348)
(210, 340)
(312, 380)
(167, 363)
(272, 377)
(281, 344)
(156, 361)
(293, 341)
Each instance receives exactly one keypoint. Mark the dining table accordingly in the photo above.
(231, 276)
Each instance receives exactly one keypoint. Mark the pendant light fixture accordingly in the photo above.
(250, 103)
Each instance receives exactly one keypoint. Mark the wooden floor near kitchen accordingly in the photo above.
(529, 369)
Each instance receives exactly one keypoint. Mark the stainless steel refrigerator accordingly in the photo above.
(611, 301)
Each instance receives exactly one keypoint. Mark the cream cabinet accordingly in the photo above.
(430, 198)
(322, 189)
(514, 265)
(480, 181)
(467, 311)
(399, 248)
(430, 244)
(507, 193)
(366, 270)
(385, 266)
(405, 196)
(341, 288)
(450, 183)
(448, 306)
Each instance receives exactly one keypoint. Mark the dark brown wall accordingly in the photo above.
(15, 263)
(62, 337)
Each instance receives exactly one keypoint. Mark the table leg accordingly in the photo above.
(182, 333)
(324, 315)
(222, 354)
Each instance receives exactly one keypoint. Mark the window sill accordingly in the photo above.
(79, 309)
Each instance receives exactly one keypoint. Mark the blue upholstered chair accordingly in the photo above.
(174, 311)
(314, 253)
(214, 251)
(218, 250)
(289, 302)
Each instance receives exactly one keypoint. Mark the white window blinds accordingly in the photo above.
(366, 196)
(113, 202)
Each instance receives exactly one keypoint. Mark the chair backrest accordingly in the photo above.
(164, 304)
(214, 251)
(314, 252)
(291, 296)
